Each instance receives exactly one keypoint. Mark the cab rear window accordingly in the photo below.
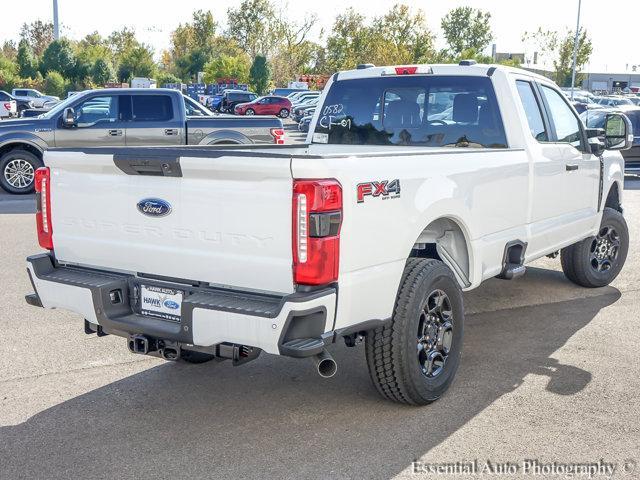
(436, 111)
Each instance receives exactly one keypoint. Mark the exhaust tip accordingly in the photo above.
(325, 364)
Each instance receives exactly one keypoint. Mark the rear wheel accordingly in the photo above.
(17, 171)
(597, 261)
(414, 359)
(284, 113)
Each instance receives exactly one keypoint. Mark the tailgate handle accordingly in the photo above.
(152, 165)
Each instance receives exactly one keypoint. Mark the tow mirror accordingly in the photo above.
(618, 132)
(69, 117)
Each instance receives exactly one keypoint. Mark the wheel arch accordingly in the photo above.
(446, 239)
(614, 197)
(225, 136)
(29, 146)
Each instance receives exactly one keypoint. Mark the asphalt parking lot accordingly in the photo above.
(550, 372)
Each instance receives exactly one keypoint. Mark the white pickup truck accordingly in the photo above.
(416, 183)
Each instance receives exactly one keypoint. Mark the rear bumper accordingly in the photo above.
(209, 316)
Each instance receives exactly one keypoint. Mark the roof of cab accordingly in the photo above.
(478, 69)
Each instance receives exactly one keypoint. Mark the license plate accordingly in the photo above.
(161, 302)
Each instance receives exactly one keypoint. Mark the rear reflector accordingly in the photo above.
(278, 135)
(43, 207)
(317, 217)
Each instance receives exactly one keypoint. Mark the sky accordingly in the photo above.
(613, 34)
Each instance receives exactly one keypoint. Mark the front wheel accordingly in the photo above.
(597, 261)
(414, 358)
(17, 171)
(250, 111)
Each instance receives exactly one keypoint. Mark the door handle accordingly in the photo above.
(572, 166)
(170, 131)
(115, 133)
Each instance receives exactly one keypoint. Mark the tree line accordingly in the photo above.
(260, 46)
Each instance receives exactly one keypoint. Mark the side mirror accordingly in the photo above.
(618, 132)
(69, 117)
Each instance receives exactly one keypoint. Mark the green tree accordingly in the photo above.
(120, 42)
(556, 49)
(260, 74)
(8, 74)
(294, 53)
(27, 62)
(137, 62)
(254, 25)
(9, 50)
(225, 66)
(54, 84)
(102, 72)
(166, 77)
(401, 36)
(465, 28)
(59, 57)
(38, 34)
(193, 44)
(349, 41)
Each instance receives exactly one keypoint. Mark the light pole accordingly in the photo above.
(56, 25)
(575, 51)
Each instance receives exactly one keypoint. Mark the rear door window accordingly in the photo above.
(152, 108)
(565, 122)
(532, 111)
(420, 110)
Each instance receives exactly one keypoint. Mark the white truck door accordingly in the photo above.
(582, 168)
(564, 178)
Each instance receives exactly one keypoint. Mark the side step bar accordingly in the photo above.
(513, 260)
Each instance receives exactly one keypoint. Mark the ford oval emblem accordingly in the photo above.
(154, 207)
(171, 304)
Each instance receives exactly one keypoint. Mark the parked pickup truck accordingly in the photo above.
(370, 232)
(117, 118)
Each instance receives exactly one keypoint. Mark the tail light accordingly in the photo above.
(317, 217)
(278, 135)
(406, 70)
(43, 207)
(7, 106)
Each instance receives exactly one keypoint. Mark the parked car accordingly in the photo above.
(214, 102)
(302, 96)
(304, 123)
(613, 101)
(8, 106)
(120, 117)
(284, 92)
(231, 98)
(269, 105)
(39, 100)
(598, 118)
(21, 104)
(303, 111)
(223, 253)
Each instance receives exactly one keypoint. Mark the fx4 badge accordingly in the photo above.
(386, 189)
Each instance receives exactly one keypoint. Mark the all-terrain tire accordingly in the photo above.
(597, 261)
(392, 351)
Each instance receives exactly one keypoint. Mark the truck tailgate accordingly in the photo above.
(224, 220)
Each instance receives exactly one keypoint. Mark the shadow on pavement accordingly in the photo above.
(275, 418)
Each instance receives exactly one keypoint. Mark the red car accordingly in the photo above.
(270, 105)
